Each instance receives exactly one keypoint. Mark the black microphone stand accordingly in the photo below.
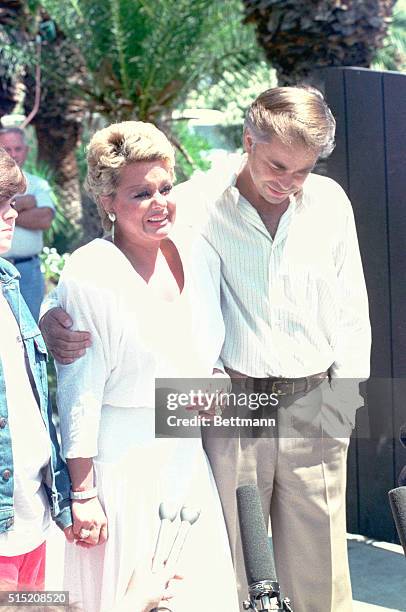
(265, 595)
(263, 587)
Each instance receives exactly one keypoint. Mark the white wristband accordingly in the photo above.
(88, 494)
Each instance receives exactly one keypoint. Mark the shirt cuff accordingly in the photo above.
(50, 301)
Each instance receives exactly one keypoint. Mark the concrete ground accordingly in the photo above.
(378, 572)
(378, 575)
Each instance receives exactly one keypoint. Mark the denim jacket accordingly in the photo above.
(55, 477)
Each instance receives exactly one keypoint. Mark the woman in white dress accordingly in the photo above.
(136, 292)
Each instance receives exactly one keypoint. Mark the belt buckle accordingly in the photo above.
(275, 390)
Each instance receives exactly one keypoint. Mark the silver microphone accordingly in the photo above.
(188, 517)
(167, 513)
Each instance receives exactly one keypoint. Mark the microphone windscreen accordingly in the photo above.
(167, 511)
(167, 514)
(189, 514)
(258, 559)
(397, 498)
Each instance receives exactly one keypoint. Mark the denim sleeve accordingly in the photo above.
(60, 499)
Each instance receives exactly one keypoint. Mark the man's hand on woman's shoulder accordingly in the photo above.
(65, 344)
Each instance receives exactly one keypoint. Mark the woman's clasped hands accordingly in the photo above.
(89, 523)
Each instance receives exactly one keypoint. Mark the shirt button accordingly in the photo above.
(19, 339)
(9, 522)
(6, 475)
(3, 422)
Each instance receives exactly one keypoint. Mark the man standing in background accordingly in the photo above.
(35, 213)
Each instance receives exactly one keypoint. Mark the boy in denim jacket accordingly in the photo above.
(34, 481)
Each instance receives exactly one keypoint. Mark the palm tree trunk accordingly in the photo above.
(57, 142)
(7, 95)
(58, 122)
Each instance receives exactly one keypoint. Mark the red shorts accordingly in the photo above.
(23, 572)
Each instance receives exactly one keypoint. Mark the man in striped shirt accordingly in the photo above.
(295, 309)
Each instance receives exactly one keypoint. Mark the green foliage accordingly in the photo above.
(52, 264)
(232, 94)
(196, 147)
(17, 38)
(14, 57)
(80, 154)
(62, 234)
(393, 54)
(144, 57)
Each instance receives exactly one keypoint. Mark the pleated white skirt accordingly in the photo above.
(134, 474)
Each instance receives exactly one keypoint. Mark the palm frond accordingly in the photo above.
(144, 57)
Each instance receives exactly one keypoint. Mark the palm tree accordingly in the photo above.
(59, 119)
(299, 37)
(13, 35)
(142, 58)
(130, 59)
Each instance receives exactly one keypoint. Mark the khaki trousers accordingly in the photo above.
(301, 476)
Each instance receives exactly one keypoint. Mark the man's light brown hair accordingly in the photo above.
(12, 180)
(295, 115)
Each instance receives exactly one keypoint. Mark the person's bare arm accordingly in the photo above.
(36, 218)
(24, 202)
(65, 344)
(30, 215)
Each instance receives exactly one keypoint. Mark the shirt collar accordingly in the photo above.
(230, 185)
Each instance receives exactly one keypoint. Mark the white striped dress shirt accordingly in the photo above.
(296, 304)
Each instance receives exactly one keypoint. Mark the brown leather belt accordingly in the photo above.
(279, 386)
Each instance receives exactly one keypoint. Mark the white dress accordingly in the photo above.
(106, 400)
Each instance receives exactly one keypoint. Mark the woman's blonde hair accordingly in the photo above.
(294, 115)
(12, 180)
(116, 146)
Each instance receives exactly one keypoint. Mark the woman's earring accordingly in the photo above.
(112, 217)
